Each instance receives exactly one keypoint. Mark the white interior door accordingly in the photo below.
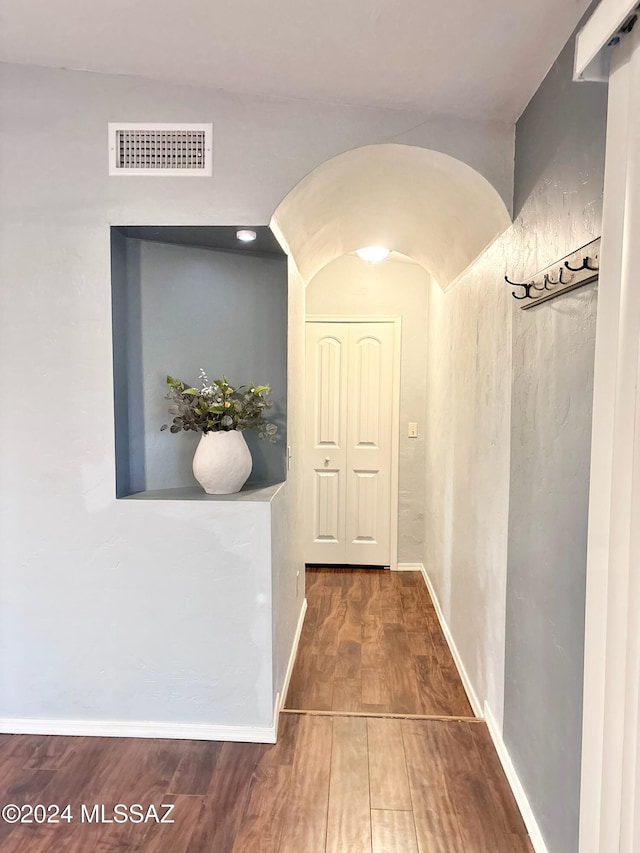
(351, 434)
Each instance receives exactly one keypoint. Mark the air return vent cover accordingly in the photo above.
(160, 149)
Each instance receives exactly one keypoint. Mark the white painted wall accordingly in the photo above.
(349, 285)
(85, 579)
(467, 465)
(167, 620)
(287, 524)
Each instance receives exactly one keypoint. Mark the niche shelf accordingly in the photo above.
(185, 298)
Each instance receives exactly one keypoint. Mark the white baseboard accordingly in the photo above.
(282, 695)
(407, 567)
(475, 703)
(150, 729)
(516, 786)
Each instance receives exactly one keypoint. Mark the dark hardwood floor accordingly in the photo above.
(337, 781)
(332, 784)
(372, 643)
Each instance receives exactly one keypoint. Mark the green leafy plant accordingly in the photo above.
(217, 406)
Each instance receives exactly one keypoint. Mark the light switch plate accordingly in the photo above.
(413, 431)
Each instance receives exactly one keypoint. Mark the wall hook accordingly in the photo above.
(586, 265)
(561, 279)
(527, 288)
(575, 269)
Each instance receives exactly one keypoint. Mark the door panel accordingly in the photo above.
(350, 395)
(366, 384)
(369, 443)
(365, 506)
(326, 391)
(329, 353)
(327, 515)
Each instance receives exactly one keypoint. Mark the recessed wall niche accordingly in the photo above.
(185, 298)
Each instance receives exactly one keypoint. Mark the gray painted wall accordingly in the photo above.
(185, 308)
(560, 142)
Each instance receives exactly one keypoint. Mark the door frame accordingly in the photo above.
(395, 411)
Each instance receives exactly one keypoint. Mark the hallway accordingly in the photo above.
(358, 775)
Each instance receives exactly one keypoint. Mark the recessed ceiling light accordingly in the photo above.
(246, 235)
(373, 254)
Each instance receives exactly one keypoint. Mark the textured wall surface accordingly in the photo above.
(351, 286)
(185, 618)
(467, 464)
(559, 181)
(510, 396)
(188, 308)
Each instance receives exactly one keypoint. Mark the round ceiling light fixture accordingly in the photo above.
(246, 235)
(373, 254)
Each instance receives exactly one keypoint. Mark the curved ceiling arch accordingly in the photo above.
(416, 201)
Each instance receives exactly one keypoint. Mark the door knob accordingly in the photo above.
(326, 460)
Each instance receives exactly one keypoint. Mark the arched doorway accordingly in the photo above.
(428, 208)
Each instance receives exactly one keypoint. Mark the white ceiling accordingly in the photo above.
(457, 57)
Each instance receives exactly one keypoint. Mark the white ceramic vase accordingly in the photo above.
(222, 462)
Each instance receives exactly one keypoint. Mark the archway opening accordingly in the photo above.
(416, 201)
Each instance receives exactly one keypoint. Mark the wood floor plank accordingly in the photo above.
(390, 601)
(454, 793)
(420, 642)
(305, 824)
(434, 812)
(86, 769)
(318, 691)
(379, 627)
(21, 785)
(193, 774)
(262, 824)
(142, 774)
(52, 753)
(347, 694)
(393, 832)
(443, 685)
(402, 675)
(349, 814)
(174, 837)
(373, 653)
(389, 781)
(224, 805)
(22, 745)
(349, 663)
(375, 687)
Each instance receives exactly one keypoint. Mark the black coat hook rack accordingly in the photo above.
(575, 270)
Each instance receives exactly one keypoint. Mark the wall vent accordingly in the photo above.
(160, 149)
